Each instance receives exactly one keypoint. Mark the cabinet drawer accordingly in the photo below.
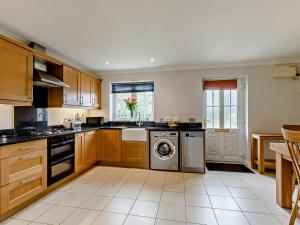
(21, 148)
(20, 166)
(18, 192)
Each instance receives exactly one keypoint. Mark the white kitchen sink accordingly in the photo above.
(134, 134)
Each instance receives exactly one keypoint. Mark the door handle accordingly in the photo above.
(222, 130)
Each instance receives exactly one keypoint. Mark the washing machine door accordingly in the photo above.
(164, 149)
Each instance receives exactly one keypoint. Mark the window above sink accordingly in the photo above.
(142, 91)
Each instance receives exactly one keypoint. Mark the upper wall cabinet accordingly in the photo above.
(84, 90)
(16, 69)
(71, 94)
(96, 93)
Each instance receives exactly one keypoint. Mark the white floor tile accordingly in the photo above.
(228, 217)
(264, 219)
(81, 217)
(252, 205)
(200, 215)
(119, 205)
(32, 212)
(55, 215)
(108, 218)
(195, 189)
(137, 220)
(88, 189)
(96, 202)
(14, 222)
(150, 195)
(171, 212)
(242, 192)
(168, 222)
(145, 208)
(128, 193)
(74, 200)
(220, 202)
(217, 190)
(173, 197)
(107, 190)
(197, 200)
(284, 220)
(55, 197)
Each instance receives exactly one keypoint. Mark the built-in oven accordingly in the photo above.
(61, 157)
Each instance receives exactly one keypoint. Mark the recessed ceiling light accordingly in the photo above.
(152, 59)
(106, 63)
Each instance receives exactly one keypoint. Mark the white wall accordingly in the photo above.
(6, 116)
(271, 102)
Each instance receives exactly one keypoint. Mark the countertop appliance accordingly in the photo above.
(95, 121)
(192, 151)
(61, 158)
(164, 150)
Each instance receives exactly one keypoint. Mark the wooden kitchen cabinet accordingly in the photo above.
(110, 145)
(96, 93)
(79, 151)
(23, 173)
(16, 73)
(71, 94)
(134, 153)
(86, 90)
(90, 148)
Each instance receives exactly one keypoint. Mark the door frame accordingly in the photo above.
(242, 116)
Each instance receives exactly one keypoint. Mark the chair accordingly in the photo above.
(291, 134)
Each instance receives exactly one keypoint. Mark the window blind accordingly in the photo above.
(132, 87)
(220, 85)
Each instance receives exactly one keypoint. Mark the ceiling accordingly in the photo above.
(179, 34)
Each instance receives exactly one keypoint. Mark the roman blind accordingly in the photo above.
(132, 87)
(219, 84)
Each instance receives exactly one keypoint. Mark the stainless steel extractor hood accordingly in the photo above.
(41, 76)
(44, 79)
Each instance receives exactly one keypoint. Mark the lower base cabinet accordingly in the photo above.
(86, 145)
(20, 191)
(90, 148)
(134, 153)
(23, 173)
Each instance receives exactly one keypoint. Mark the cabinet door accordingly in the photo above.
(110, 146)
(71, 94)
(134, 153)
(16, 193)
(79, 151)
(16, 71)
(96, 93)
(86, 90)
(18, 167)
(90, 148)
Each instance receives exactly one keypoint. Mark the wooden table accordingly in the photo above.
(258, 160)
(285, 181)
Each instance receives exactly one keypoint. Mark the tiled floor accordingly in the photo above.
(119, 196)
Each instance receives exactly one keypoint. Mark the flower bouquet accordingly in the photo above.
(131, 104)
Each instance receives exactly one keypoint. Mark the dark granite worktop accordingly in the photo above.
(8, 137)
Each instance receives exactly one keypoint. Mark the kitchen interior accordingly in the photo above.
(119, 127)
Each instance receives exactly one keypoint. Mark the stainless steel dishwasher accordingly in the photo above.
(192, 151)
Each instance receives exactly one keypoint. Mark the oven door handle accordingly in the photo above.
(61, 143)
(62, 159)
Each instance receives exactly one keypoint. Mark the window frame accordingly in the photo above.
(221, 110)
(133, 94)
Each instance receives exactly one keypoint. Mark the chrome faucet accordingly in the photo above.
(139, 122)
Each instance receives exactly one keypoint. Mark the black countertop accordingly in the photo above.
(12, 139)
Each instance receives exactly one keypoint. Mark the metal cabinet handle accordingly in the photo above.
(65, 98)
(28, 157)
(81, 100)
(27, 148)
(29, 180)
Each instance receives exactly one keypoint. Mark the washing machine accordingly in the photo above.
(164, 150)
